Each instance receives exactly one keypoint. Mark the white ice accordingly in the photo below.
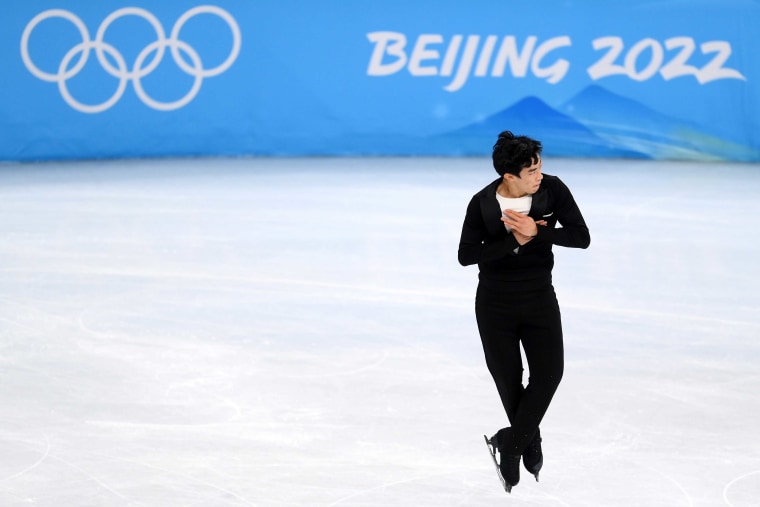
(298, 332)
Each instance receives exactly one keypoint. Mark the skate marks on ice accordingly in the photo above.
(385, 492)
(671, 381)
(89, 478)
(743, 491)
(456, 488)
(32, 454)
(200, 336)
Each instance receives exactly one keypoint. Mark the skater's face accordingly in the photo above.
(528, 181)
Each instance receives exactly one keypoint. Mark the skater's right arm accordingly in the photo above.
(476, 245)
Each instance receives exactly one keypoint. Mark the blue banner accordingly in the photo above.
(593, 78)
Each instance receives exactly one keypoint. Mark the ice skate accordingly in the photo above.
(533, 457)
(507, 466)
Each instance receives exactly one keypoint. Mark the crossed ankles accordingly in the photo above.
(509, 464)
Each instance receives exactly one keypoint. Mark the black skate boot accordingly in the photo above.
(508, 465)
(533, 457)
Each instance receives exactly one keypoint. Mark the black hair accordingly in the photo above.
(513, 153)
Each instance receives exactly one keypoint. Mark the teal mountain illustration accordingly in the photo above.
(560, 134)
(627, 124)
(596, 123)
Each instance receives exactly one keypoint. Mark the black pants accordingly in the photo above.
(505, 320)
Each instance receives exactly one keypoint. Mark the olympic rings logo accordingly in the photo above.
(140, 68)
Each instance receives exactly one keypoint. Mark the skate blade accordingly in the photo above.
(492, 451)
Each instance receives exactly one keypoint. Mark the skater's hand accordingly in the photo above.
(521, 238)
(523, 227)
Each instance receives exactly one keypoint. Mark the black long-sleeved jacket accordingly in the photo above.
(505, 267)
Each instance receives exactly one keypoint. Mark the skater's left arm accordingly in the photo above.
(574, 232)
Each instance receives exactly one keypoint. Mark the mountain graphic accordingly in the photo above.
(560, 134)
(627, 124)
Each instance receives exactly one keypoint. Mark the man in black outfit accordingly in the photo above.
(509, 231)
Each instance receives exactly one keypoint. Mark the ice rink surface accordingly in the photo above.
(298, 332)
